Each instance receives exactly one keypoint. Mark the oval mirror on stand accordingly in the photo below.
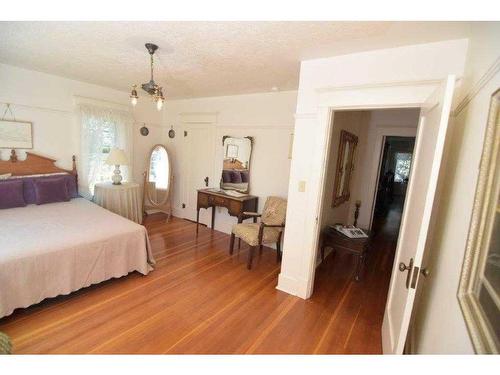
(158, 182)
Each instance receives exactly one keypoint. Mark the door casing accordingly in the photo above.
(300, 246)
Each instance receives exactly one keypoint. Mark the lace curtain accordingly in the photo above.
(101, 130)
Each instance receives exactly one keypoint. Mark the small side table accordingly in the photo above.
(124, 199)
(338, 241)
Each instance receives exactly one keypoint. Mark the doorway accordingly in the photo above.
(380, 175)
(394, 175)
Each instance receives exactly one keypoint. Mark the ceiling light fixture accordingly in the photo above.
(151, 87)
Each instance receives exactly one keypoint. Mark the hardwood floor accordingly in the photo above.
(201, 300)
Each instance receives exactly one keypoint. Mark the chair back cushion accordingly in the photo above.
(274, 211)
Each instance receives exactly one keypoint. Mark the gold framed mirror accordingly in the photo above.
(479, 288)
(345, 166)
(236, 163)
(158, 181)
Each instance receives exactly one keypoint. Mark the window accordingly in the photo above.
(403, 165)
(101, 130)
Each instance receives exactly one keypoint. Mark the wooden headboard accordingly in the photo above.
(33, 164)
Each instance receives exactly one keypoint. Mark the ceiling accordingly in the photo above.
(201, 58)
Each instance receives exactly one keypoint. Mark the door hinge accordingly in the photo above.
(184, 205)
(185, 133)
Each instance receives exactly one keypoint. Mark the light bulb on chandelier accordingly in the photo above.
(134, 96)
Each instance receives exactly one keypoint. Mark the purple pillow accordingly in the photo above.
(51, 190)
(29, 186)
(235, 177)
(226, 176)
(244, 176)
(11, 194)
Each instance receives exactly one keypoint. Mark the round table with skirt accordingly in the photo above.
(124, 199)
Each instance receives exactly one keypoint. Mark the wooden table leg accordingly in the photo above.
(213, 217)
(359, 266)
(197, 220)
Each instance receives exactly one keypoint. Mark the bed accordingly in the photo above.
(57, 248)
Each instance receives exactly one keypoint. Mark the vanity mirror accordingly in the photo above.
(236, 163)
(158, 181)
(345, 166)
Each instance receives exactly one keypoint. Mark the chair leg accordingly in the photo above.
(279, 254)
(250, 257)
(239, 243)
(261, 247)
(231, 244)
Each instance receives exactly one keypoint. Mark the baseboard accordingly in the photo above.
(292, 286)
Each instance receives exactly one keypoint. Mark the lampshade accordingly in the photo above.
(117, 157)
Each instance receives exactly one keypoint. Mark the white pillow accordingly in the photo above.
(5, 176)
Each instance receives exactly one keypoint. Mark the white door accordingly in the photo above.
(199, 155)
(417, 217)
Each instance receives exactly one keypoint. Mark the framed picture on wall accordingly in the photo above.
(16, 134)
(479, 289)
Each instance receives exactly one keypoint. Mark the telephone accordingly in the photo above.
(351, 232)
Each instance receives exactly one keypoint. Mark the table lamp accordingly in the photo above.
(117, 157)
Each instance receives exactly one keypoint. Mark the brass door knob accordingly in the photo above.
(425, 272)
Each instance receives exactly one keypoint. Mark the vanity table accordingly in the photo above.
(236, 206)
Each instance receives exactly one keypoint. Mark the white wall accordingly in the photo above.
(267, 117)
(418, 63)
(49, 102)
(439, 325)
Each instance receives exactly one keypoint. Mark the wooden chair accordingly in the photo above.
(268, 230)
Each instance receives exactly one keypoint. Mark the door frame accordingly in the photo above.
(382, 133)
(301, 243)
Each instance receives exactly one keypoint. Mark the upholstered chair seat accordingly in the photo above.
(250, 234)
(268, 231)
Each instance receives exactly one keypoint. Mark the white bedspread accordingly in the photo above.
(57, 248)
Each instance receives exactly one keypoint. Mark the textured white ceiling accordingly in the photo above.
(201, 58)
